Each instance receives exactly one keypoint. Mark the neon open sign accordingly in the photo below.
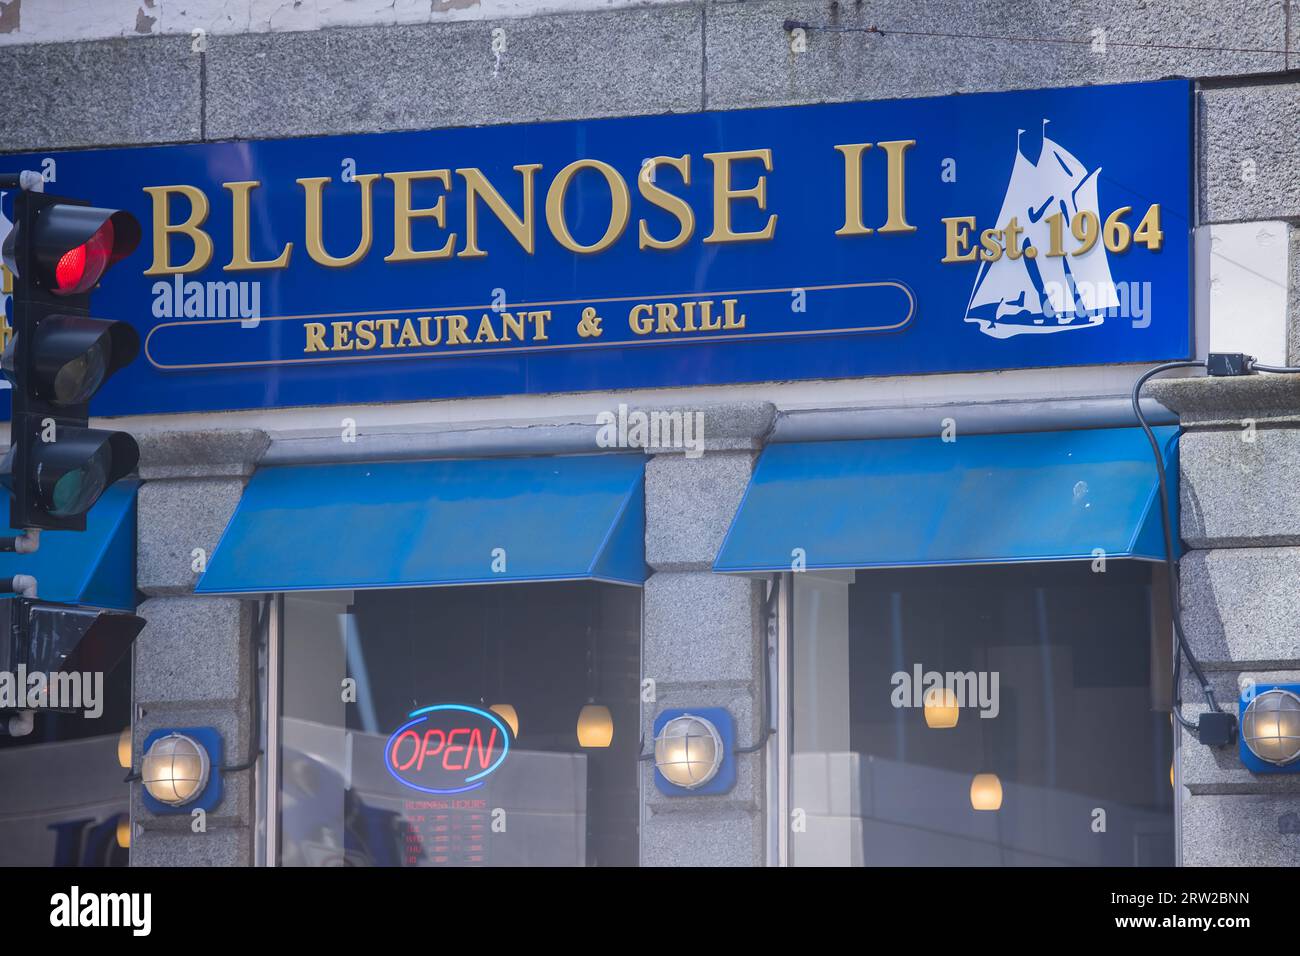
(447, 748)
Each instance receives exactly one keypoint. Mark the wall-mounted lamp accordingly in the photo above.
(694, 751)
(595, 726)
(986, 792)
(124, 832)
(177, 770)
(1270, 728)
(688, 751)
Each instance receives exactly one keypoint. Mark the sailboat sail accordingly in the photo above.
(1003, 283)
(1092, 269)
(1044, 293)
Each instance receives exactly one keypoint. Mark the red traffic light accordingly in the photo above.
(74, 245)
(80, 267)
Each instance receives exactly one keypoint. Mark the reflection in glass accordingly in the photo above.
(1059, 746)
(63, 800)
(357, 666)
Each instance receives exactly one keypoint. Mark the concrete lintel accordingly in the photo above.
(207, 453)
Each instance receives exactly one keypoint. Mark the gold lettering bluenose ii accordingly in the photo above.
(422, 230)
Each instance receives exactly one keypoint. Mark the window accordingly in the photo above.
(1058, 679)
(449, 789)
(65, 800)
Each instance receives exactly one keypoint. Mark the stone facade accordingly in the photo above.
(194, 659)
(140, 76)
(1240, 604)
(704, 639)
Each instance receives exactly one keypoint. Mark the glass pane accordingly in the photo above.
(64, 800)
(1012, 715)
(440, 726)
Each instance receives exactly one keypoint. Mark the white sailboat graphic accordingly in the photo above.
(1045, 293)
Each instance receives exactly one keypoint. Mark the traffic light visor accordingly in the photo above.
(69, 475)
(73, 472)
(74, 245)
(64, 638)
(74, 355)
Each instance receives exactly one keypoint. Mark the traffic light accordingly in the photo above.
(59, 356)
(47, 638)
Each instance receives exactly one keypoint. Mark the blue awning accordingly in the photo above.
(94, 567)
(429, 523)
(981, 499)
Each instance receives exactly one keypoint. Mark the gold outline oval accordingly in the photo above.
(261, 363)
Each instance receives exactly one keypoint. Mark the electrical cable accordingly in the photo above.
(769, 607)
(1278, 369)
(255, 719)
(1171, 563)
(1220, 364)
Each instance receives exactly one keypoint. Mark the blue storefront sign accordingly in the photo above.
(1024, 229)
